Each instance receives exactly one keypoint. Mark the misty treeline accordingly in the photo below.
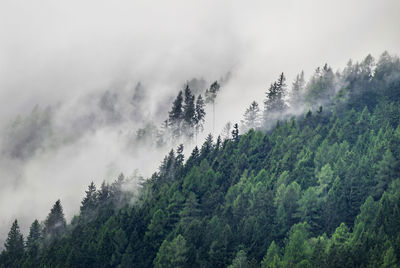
(324, 89)
(124, 108)
(318, 190)
(186, 117)
(97, 205)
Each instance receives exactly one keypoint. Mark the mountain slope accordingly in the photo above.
(319, 190)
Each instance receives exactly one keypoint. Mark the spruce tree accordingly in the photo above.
(386, 173)
(172, 254)
(195, 152)
(275, 103)
(176, 112)
(226, 131)
(297, 90)
(33, 241)
(211, 95)
(163, 134)
(179, 156)
(200, 114)
(193, 157)
(251, 117)
(240, 261)
(103, 194)
(272, 259)
(14, 244)
(176, 116)
(188, 108)
(299, 82)
(235, 132)
(55, 223)
(89, 203)
(208, 145)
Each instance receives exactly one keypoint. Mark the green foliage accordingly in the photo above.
(172, 254)
(387, 170)
(286, 202)
(319, 190)
(240, 261)
(14, 246)
(89, 203)
(297, 248)
(55, 224)
(33, 242)
(272, 259)
(274, 101)
(390, 259)
(251, 117)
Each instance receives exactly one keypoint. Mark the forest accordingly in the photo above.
(315, 188)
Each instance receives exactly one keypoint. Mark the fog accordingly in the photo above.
(96, 71)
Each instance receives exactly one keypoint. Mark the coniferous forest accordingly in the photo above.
(315, 189)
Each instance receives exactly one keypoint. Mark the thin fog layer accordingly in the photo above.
(78, 79)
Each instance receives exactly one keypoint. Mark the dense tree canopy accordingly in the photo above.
(318, 190)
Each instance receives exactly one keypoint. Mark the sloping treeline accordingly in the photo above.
(320, 190)
(185, 120)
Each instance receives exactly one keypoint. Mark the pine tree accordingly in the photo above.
(286, 203)
(33, 241)
(190, 210)
(211, 95)
(14, 244)
(218, 143)
(176, 115)
(320, 88)
(179, 156)
(163, 134)
(55, 223)
(299, 83)
(338, 249)
(282, 81)
(116, 193)
(390, 259)
(89, 203)
(168, 166)
(208, 145)
(172, 254)
(297, 89)
(274, 103)
(386, 173)
(193, 158)
(272, 259)
(226, 131)
(200, 114)
(235, 132)
(128, 257)
(251, 117)
(195, 152)
(189, 111)
(103, 194)
(297, 248)
(240, 261)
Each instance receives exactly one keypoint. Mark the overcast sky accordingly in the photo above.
(56, 51)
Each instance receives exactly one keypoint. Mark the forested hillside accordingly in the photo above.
(319, 189)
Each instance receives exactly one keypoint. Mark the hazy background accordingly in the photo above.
(81, 62)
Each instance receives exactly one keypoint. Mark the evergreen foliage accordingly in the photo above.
(14, 247)
(319, 190)
(55, 224)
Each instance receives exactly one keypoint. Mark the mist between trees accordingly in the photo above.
(325, 92)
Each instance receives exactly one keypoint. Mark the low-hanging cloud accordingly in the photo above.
(98, 70)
